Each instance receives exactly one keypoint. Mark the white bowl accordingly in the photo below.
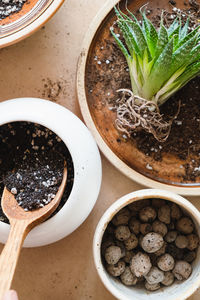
(86, 160)
(178, 291)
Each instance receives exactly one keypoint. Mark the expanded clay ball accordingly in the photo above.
(137, 205)
(171, 236)
(165, 262)
(159, 227)
(168, 279)
(128, 256)
(152, 242)
(145, 228)
(193, 241)
(131, 242)
(113, 255)
(134, 225)
(164, 214)
(147, 214)
(128, 278)
(122, 217)
(177, 253)
(121, 246)
(122, 233)
(176, 213)
(190, 256)
(152, 287)
(140, 264)
(181, 241)
(156, 202)
(154, 276)
(182, 270)
(185, 225)
(162, 250)
(117, 269)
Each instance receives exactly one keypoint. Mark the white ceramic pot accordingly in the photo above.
(86, 160)
(178, 291)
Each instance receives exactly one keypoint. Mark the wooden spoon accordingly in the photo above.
(21, 223)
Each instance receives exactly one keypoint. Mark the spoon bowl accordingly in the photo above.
(21, 223)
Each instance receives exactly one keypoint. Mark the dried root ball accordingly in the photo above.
(159, 227)
(128, 278)
(152, 287)
(166, 262)
(181, 241)
(137, 205)
(168, 279)
(140, 264)
(193, 241)
(131, 242)
(182, 270)
(154, 276)
(145, 228)
(147, 214)
(134, 225)
(171, 236)
(116, 270)
(164, 214)
(122, 233)
(122, 217)
(152, 242)
(185, 225)
(176, 213)
(113, 255)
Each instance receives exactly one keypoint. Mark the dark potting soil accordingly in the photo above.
(8, 7)
(184, 138)
(31, 165)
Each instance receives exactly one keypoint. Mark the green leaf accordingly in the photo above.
(173, 27)
(162, 40)
(151, 35)
(182, 55)
(120, 45)
(190, 72)
(184, 30)
(188, 37)
(159, 72)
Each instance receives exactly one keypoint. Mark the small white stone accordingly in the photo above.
(14, 191)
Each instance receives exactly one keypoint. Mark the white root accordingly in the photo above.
(136, 113)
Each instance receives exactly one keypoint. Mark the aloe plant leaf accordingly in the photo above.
(162, 40)
(188, 37)
(159, 72)
(120, 45)
(182, 55)
(184, 30)
(150, 34)
(173, 27)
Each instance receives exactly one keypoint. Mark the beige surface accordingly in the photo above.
(63, 270)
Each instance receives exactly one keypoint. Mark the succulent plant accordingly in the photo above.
(160, 63)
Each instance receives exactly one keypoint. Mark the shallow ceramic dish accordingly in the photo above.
(33, 15)
(87, 166)
(178, 291)
(167, 173)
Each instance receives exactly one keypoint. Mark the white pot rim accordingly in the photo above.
(86, 160)
(106, 218)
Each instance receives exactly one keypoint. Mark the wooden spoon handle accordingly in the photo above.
(10, 253)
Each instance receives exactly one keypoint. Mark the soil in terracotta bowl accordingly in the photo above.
(150, 244)
(31, 165)
(175, 161)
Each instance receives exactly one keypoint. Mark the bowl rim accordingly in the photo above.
(33, 26)
(86, 164)
(82, 98)
(118, 205)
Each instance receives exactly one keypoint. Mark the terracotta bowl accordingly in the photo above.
(87, 166)
(177, 291)
(124, 154)
(33, 15)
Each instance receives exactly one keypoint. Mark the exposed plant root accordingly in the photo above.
(135, 113)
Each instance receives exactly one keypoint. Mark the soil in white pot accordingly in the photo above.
(31, 164)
